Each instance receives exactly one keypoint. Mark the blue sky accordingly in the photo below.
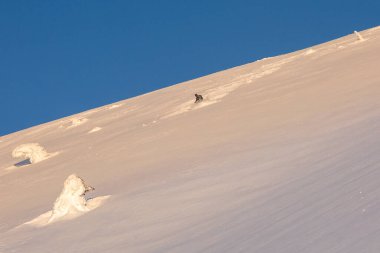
(62, 57)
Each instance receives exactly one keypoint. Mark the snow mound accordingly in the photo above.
(309, 51)
(95, 129)
(46, 218)
(358, 36)
(114, 106)
(31, 151)
(72, 198)
(70, 204)
(77, 122)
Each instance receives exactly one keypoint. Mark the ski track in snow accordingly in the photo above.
(215, 95)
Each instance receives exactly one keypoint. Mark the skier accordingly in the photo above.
(198, 98)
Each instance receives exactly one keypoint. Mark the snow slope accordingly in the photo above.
(283, 155)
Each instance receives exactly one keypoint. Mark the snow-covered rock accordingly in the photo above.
(70, 204)
(71, 200)
(31, 151)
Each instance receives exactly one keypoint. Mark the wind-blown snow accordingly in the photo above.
(309, 51)
(282, 155)
(114, 106)
(360, 38)
(95, 129)
(215, 95)
(31, 151)
(70, 204)
(71, 199)
(77, 122)
(48, 218)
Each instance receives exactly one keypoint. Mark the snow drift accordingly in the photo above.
(70, 204)
(77, 121)
(95, 129)
(71, 200)
(31, 151)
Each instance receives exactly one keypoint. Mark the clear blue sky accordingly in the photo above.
(62, 57)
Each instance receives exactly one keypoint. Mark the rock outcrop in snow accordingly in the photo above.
(71, 200)
(31, 151)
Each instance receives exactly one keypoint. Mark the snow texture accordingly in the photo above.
(282, 155)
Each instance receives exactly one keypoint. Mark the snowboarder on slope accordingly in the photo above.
(198, 98)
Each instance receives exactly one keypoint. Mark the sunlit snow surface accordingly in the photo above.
(283, 155)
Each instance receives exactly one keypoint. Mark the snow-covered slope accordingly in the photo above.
(283, 155)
